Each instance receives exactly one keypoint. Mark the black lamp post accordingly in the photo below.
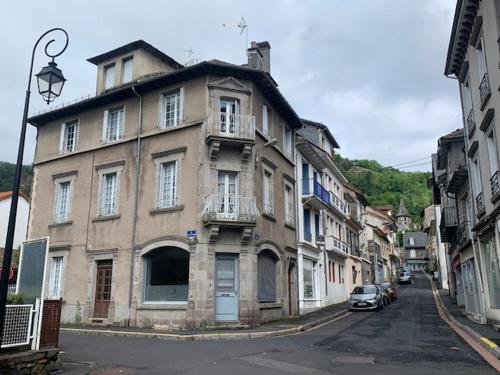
(50, 83)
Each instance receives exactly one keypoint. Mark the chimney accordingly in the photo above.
(259, 56)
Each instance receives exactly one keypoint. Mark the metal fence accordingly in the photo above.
(18, 325)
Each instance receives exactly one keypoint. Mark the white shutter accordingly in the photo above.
(105, 125)
(61, 137)
(56, 202)
(181, 105)
(121, 122)
(161, 120)
(77, 130)
(265, 119)
(69, 201)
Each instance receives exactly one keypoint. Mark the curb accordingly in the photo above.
(209, 336)
(490, 346)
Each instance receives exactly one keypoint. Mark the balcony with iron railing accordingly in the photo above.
(334, 244)
(484, 90)
(495, 186)
(471, 123)
(449, 222)
(232, 126)
(315, 193)
(229, 209)
(480, 208)
(462, 234)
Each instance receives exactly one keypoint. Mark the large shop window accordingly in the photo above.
(267, 276)
(309, 277)
(492, 272)
(167, 274)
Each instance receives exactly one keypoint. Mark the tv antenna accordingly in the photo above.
(190, 54)
(243, 26)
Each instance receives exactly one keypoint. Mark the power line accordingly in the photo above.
(411, 161)
(415, 165)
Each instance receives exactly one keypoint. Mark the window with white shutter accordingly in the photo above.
(268, 192)
(69, 136)
(62, 206)
(109, 199)
(168, 185)
(55, 277)
(113, 124)
(265, 119)
(109, 76)
(127, 69)
(171, 108)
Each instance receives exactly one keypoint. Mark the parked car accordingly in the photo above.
(405, 277)
(366, 297)
(385, 294)
(392, 290)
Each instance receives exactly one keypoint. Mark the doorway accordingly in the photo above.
(226, 287)
(103, 288)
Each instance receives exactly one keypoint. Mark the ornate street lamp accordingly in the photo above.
(50, 83)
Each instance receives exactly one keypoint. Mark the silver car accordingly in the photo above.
(405, 277)
(366, 297)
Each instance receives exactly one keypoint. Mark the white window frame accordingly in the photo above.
(56, 216)
(287, 140)
(101, 211)
(127, 70)
(289, 203)
(64, 140)
(482, 68)
(178, 95)
(492, 151)
(56, 264)
(267, 190)
(265, 119)
(476, 178)
(159, 160)
(107, 137)
(109, 76)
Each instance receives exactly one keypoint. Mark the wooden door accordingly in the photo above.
(103, 288)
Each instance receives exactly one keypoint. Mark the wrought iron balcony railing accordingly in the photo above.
(223, 124)
(495, 183)
(471, 123)
(230, 208)
(312, 187)
(484, 89)
(480, 204)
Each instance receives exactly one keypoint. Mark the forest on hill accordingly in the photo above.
(385, 185)
(7, 171)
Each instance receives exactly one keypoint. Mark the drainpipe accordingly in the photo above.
(136, 202)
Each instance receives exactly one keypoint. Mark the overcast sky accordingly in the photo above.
(372, 70)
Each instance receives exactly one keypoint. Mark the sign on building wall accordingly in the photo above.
(32, 265)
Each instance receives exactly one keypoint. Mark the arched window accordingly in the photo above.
(166, 275)
(267, 276)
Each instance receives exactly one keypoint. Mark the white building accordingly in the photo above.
(322, 214)
(23, 209)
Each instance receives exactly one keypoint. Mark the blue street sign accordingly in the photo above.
(191, 233)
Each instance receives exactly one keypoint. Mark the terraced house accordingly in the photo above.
(168, 196)
(473, 59)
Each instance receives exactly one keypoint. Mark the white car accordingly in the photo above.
(405, 277)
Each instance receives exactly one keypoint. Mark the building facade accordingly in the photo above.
(473, 57)
(169, 196)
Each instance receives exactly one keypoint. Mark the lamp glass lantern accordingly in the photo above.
(50, 82)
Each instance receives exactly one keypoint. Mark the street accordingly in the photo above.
(407, 337)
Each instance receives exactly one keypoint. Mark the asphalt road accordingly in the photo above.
(407, 337)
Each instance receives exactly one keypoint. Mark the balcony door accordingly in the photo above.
(228, 109)
(227, 194)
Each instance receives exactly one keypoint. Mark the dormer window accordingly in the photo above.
(412, 241)
(127, 68)
(109, 76)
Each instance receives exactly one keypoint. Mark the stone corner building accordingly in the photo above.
(168, 197)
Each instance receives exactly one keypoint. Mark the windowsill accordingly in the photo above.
(163, 306)
(55, 225)
(270, 305)
(269, 216)
(290, 226)
(107, 142)
(156, 211)
(106, 218)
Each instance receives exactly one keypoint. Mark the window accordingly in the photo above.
(172, 108)
(307, 225)
(265, 119)
(69, 137)
(55, 277)
(62, 206)
(167, 190)
(481, 59)
(412, 241)
(268, 192)
(266, 276)
(166, 275)
(109, 194)
(492, 152)
(289, 205)
(309, 277)
(413, 253)
(227, 193)
(127, 69)
(316, 226)
(287, 140)
(109, 76)
(332, 271)
(476, 178)
(228, 111)
(113, 124)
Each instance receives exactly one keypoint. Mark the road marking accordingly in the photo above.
(288, 368)
(489, 342)
(356, 359)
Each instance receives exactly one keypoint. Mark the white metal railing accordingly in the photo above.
(18, 325)
(231, 125)
(230, 207)
(340, 204)
(333, 243)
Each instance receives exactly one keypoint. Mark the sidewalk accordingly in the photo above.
(484, 335)
(276, 328)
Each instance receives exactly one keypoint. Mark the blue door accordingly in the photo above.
(226, 287)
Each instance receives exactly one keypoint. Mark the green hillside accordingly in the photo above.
(385, 185)
(7, 171)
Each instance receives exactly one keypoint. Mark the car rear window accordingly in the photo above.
(367, 289)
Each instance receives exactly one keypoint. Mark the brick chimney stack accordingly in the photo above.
(259, 56)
